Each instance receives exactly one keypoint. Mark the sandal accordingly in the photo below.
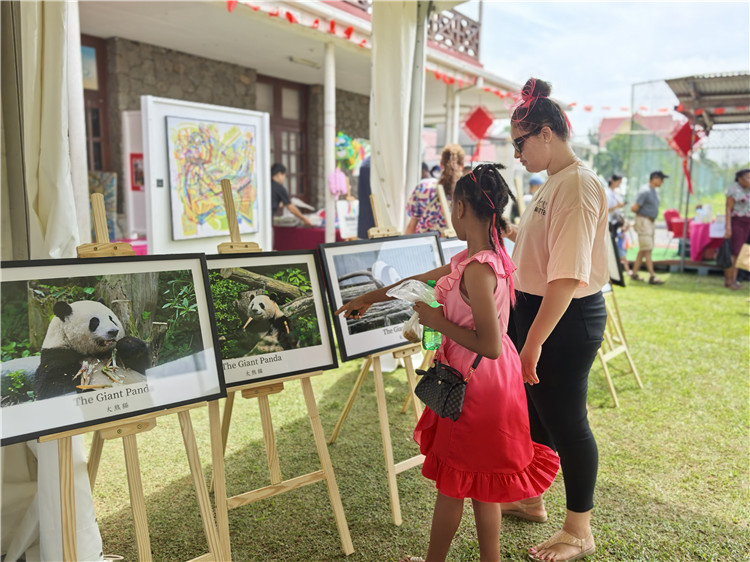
(563, 537)
(734, 286)
(521, 510)
(634, 277)
(654, 280)
(412, 559)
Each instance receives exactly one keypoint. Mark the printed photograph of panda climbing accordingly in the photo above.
(271, 315)
(80, 346)
(354, 268)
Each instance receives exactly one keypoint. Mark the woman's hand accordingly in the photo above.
(529, 358)
(355, 308)
(428, 316)
(728, 231)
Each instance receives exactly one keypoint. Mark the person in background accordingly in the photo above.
(737, 221)
(559, 318)
(280, 196)
(486, 454)
(423, 207)
(617, 223)
(366, 219)
(534, 182)
(646, 209)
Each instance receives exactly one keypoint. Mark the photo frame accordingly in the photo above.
(353, 268)
(271, 315)
(159, 201)
(616, 272)
(81, 347)
(136, 172)
(449, 247)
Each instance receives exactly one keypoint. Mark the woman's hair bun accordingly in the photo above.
(536, 88)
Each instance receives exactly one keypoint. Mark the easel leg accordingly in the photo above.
(385, 433)
(137, 502)
(225, 420)
(218, 442)
(609, 379)
(325, 462)
(426, 360)
(67, 499)
(352, 397)
(95, 455)
(204, 504)
(411, 377)
(272, 454)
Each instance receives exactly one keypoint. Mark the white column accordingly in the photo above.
(329, 137)
(416, 103)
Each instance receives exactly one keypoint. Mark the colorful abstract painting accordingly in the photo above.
(201, 154)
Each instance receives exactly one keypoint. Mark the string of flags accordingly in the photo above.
(348, 32)
(331, 26)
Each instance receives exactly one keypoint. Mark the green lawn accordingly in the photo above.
(673, 473)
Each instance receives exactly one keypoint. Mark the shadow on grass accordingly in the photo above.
(297, 525)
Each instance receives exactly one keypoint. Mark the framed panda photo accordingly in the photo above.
(271, 315)
(354, 268)
(90, 341)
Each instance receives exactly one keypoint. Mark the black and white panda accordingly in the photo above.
(86, 331)
(276, 328)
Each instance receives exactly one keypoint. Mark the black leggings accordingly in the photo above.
(557, 403)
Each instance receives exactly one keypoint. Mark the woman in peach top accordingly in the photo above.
(559, 317)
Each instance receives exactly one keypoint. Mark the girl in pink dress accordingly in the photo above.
(487, 454)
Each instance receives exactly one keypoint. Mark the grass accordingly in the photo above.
(673, 472)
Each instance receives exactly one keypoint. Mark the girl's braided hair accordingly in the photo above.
(485, 190)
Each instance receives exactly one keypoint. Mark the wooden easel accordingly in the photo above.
(373, 360)
(614, 344)
(127, 429)
(261, 392)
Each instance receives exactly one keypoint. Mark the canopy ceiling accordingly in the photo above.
(714, 99)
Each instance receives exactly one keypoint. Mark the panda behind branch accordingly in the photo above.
(266, 317)
(84, 334)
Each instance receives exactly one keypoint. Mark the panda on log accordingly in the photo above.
(81, 335)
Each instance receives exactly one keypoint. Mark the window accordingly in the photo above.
(94, 61)
(286, 102)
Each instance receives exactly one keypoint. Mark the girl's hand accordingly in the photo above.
(529, 358)
(428, 316)
(355, 308)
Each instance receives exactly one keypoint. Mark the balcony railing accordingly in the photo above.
(449, 29)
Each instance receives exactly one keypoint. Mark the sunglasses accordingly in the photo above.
(519, 141)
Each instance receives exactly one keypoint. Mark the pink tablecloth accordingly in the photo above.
(299, 238)
(700, 240)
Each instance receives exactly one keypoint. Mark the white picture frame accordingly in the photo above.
(159, 199)
(259, 342)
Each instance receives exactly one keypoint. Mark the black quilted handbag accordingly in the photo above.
(442, 388)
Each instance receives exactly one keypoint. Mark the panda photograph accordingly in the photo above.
(77, 335)
(263, 309)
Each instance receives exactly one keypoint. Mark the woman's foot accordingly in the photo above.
(412, 559)
(734, 285)
(531, 509)
(563, 547)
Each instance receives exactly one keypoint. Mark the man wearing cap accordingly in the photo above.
(646, 209)
(535, 181)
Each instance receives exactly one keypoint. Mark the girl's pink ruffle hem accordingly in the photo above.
(495, 487)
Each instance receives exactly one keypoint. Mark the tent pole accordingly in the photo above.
(685, 228)
(329, 137)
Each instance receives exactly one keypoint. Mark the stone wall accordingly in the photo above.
(138, 69)
(352, 118)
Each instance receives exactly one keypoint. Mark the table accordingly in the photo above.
(700, 240)
(299, 238)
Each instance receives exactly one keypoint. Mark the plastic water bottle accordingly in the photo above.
(431, 338)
